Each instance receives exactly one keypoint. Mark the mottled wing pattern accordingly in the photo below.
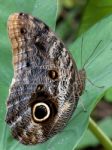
(46, 84)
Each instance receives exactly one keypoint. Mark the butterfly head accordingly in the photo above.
(82, 78)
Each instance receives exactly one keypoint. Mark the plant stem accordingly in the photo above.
(104, 140)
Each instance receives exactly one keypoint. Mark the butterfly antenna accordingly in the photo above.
(95, 57)
(94, 84)
(92, 53)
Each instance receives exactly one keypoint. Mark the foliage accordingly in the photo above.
(90, 140)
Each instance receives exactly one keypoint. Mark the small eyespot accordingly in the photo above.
(21, 14)
(41, 112)
(53, 74)
(23, 31)
(39, 87)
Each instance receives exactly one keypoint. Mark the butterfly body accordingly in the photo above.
(46, 85)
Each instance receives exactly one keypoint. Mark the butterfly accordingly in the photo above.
(46, 85)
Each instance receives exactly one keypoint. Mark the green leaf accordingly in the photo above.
(90, 140)
(37, 8)
(64, 29)
(95, 11)
(108, 95)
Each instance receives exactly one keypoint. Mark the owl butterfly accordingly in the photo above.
(46, 85)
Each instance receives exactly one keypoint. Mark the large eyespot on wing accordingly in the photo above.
(41, 112)
(44, 109)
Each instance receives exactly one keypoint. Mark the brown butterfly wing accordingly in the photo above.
(46, 84)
